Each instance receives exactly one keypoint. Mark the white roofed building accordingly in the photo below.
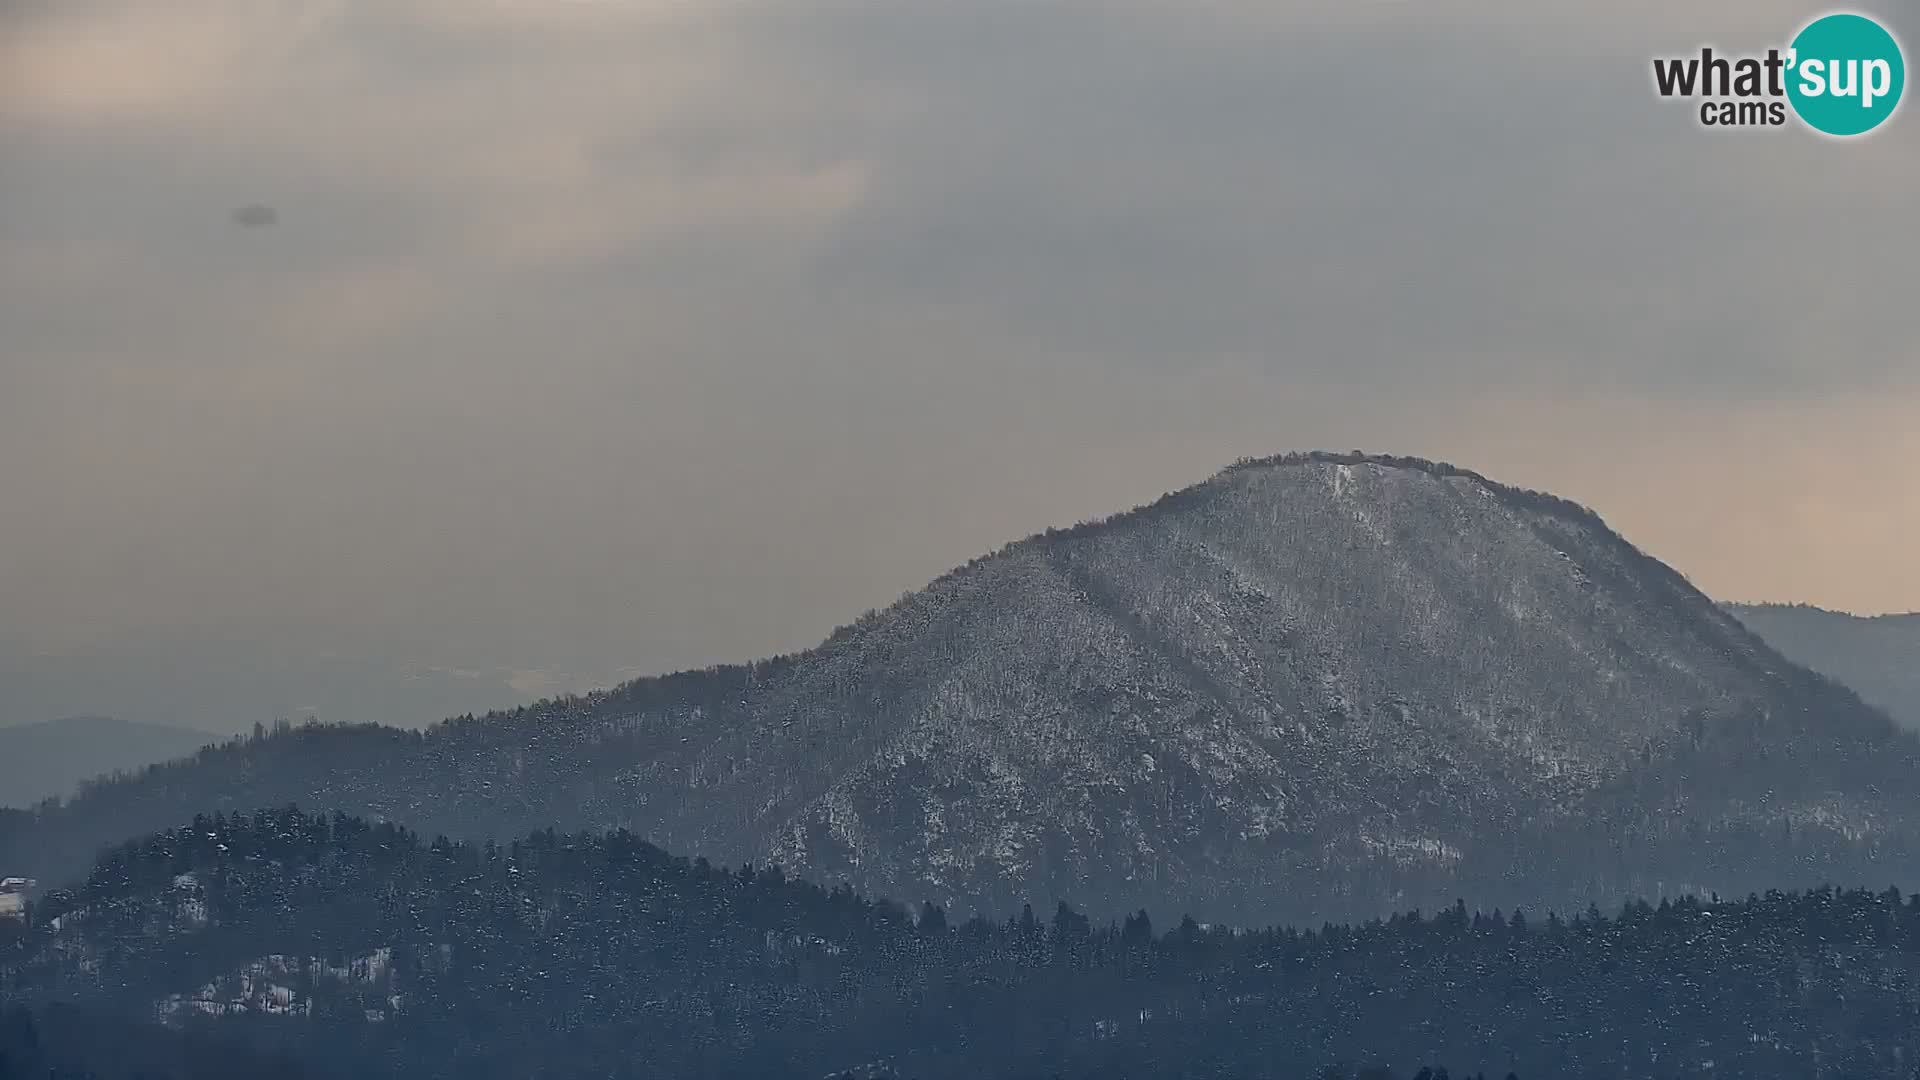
(13, 897)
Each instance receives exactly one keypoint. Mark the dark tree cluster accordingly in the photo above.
(363, 950)
(61, 1042)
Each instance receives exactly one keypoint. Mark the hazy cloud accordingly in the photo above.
(636, 333)
(255, 216)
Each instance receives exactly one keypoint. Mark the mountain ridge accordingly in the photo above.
(1313, 685)
(1877, 655)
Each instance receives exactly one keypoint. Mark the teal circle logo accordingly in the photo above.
(1845, 74)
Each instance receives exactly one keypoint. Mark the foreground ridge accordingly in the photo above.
(362, 950)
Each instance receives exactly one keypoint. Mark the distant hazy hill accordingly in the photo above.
(51, 758)
(1318, 686)
(1879, 655)
(226, 681)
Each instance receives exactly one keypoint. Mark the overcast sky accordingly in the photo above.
(601, 336)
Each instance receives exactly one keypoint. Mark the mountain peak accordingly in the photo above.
(1334, 469)
(1312, 686)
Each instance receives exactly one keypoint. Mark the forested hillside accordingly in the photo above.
(1320, 686)
(364, 951)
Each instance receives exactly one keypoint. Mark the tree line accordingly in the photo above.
(362, 949)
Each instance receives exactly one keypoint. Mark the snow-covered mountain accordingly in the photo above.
(1312, 686)
(1877, 655)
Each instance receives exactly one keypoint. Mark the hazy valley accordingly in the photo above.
(52, 758)
(1878, 656)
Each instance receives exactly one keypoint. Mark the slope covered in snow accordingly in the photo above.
(1318, 686)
